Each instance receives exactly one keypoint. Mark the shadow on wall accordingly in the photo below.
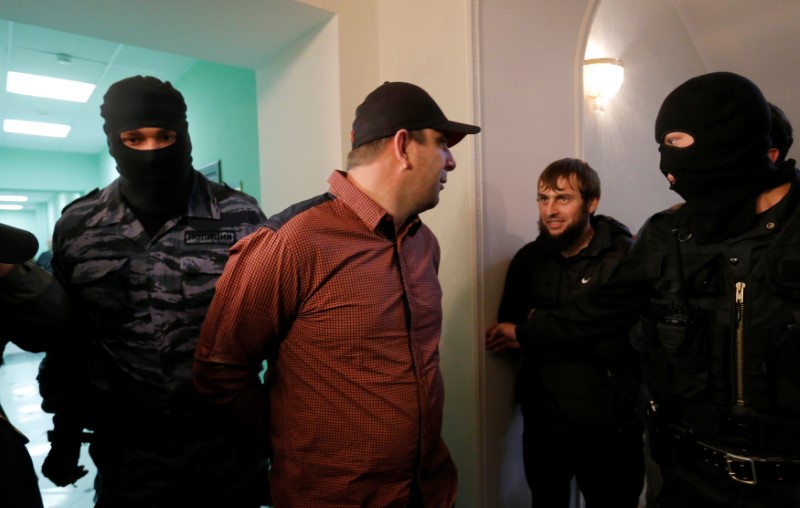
(504, 429)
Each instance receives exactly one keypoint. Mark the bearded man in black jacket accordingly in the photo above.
(578, 400)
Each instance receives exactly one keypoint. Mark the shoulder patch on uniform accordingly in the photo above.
(78, 200)
(209, 238)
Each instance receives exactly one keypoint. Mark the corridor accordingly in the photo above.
(19, 395)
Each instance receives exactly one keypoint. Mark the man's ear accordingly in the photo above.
(591, 206)
(399, 145)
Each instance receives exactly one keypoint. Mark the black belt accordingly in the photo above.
(762, 432)
(750, 470)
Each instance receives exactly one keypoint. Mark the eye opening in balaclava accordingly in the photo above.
(727, 167)
(144, 137)
(153, 181)
(677, 140)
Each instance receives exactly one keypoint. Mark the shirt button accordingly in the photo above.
(734, 261)
(770, 225)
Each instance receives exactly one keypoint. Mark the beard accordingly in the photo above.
(564, 241)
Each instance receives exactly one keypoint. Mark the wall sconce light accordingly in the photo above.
(602, 77)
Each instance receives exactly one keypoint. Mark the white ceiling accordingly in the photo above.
(33, 50)
(755, 38)
(108, 41)
(117, 39)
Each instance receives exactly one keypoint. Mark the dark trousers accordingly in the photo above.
(606, 461)
(415, 499)
(174, 471)
(19, 487)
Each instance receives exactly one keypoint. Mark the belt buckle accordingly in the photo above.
(737, 468)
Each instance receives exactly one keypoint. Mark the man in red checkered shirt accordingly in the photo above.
(340, 295)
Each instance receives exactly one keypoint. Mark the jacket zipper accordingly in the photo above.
(740, 343)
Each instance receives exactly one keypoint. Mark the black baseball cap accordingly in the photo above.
(397, 105)
(16, 245)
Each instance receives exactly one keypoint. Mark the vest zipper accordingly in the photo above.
(740, 343)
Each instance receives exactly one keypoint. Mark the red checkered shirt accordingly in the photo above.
(348, 317)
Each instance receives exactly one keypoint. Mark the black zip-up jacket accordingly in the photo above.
(592, 383)
(720, 326)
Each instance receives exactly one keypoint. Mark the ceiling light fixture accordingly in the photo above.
(602, 78)
(52, 130)
(10, 197)
(49, 88)
(10, 207)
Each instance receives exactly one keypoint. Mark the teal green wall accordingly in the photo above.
(108, 168)
(223, 124)
(50, 171)
(223, 121)
(68, 175)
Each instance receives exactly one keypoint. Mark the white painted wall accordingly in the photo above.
(299, 127)
(658, 55)
(359, 49)
(530, 50)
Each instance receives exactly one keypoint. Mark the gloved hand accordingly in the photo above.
(61, 464)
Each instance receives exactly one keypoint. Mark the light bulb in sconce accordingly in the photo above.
(602, 78)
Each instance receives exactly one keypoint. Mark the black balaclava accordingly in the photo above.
(727, 167)
(780, 132)
(155, 182)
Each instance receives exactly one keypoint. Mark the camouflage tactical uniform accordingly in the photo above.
(139, 304)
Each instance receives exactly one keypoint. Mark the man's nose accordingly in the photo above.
(450, 162)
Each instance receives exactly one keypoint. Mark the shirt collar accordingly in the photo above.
(371, 213)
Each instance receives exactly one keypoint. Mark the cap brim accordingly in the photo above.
(16, 245)
(456, 131)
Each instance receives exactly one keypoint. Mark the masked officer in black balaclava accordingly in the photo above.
(715, 287)
(155, 183)
(720, 164)
(139, 260)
